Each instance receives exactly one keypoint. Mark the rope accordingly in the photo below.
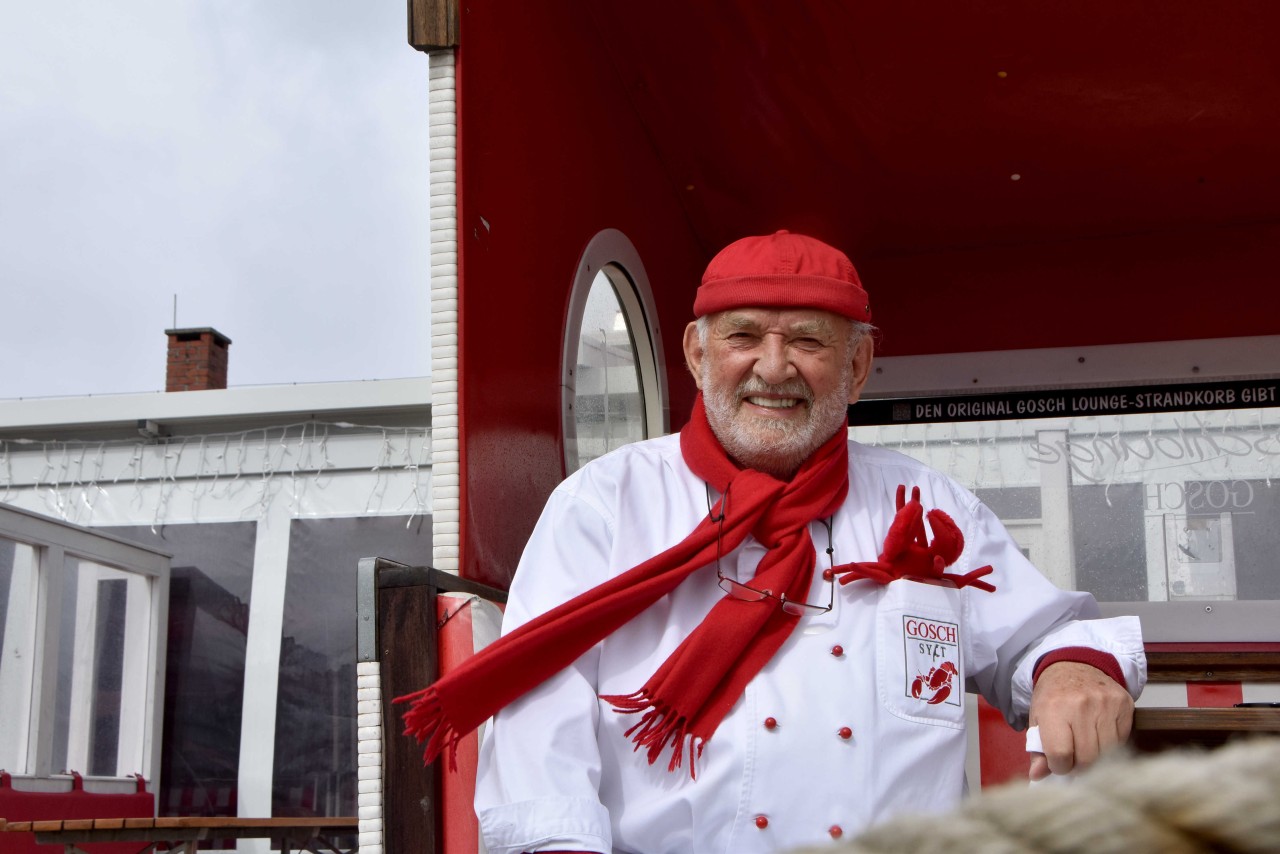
(1225, 800)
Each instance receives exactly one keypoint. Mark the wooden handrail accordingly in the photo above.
(184, 832)
(1242, 720)
(332, 823)
(1213, 665)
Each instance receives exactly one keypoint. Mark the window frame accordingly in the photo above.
(1100, 368)
(54, 544)
(610, 252)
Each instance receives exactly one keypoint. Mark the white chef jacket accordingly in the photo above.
(834, 734)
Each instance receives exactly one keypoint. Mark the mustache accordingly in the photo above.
(797, 388)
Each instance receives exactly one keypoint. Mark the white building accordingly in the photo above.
(265, 498)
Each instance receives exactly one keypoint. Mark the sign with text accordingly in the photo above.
(1129, 400)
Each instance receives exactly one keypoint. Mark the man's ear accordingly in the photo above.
(693, 353)
(863, 352)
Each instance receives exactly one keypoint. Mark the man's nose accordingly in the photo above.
(774, 364)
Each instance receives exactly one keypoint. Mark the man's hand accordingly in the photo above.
(1081, 713)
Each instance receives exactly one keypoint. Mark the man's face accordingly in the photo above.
(776, 382)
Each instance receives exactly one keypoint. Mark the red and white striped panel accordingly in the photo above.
(1001, 750)
(469, 624)
(1202, 695)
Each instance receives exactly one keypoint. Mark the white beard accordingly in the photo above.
(772, 446)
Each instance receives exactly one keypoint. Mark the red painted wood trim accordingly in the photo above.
(1002, 750)
(461, 828)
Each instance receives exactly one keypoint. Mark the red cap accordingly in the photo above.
(782, 270)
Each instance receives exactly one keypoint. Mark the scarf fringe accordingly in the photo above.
(427, 722)
(659, 726)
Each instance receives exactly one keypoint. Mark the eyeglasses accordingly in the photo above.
(747, 593)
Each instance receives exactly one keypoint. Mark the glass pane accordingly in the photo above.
(101, 670)
(17, 650)
(108, 671)
(608, 402)
(204, 666)
(1164, 506)
(315, 749)
(7, 548)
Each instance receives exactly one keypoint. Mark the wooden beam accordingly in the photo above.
(433, 24)
(1162, 729)
(1226, 720)
(1213, 666)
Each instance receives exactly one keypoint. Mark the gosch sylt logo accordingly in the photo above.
(932, 661)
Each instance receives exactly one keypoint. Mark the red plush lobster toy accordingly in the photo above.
(909, 554)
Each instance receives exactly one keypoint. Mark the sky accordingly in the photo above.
(265, 161)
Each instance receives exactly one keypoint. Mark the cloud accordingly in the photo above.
(265, 162)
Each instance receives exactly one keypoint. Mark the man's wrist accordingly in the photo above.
(1104, 661)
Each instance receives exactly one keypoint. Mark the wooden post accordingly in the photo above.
(408, 647)
(410, 792)
(433, 24)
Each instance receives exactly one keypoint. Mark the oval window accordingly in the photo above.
(613, 394)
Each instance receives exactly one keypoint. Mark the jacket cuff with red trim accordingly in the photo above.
(1104, 661)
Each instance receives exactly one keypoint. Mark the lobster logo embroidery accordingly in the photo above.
(935, 686)
(933, 654)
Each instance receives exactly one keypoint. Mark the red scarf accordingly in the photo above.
(697, 685)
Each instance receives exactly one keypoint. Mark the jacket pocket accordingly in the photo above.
(920, 668)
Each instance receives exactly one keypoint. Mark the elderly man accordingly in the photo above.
(741, 637)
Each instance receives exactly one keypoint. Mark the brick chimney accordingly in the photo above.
(197, 359)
